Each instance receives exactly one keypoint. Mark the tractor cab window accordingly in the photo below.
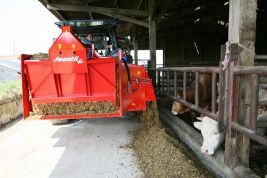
(102, 43)
(103, 34)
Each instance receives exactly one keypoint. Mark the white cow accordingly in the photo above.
(212, 138)
(209, 128)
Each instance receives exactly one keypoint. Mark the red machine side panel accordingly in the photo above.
(136, 100)
(24, 85)
(102, 76)
(40, 78)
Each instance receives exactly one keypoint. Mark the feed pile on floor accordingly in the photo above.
(159, 154)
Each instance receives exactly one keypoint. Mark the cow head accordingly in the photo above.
(212, 138)
(178, 108)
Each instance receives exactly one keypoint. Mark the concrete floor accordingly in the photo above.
(86, 148)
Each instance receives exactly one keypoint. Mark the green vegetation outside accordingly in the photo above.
(9, 89)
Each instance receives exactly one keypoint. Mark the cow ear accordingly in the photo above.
(198, 125)
(200, 118)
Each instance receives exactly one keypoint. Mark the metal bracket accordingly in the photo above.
(234, 51)
(231, 53)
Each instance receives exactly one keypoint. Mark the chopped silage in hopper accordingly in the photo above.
(159, 154)
(73, 108)
(39, 56)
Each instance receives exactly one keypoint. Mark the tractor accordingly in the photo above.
(78, 80)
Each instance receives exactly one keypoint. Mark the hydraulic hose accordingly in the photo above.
(129, 78)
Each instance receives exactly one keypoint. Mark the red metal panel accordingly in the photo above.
(67, 54)
(24, 86)
(73, 84)
(121, 98)
(102, 76)
(41, 79)
(136, 100)
(45, 86)
(150, 94)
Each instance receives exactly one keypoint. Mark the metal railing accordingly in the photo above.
(254, 72)
(225, 101)
(171, 79)
(170, 84)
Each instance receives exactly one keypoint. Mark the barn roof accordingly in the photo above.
(173, 17)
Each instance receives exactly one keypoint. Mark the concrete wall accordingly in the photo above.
(10, 110)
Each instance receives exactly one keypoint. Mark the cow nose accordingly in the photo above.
(205, 151)
(174, 113)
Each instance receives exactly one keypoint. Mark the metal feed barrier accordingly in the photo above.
(186, 72)
(169, 80)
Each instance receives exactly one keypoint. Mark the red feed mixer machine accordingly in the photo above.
(76, 74)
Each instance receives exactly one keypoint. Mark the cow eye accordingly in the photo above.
(215, 133)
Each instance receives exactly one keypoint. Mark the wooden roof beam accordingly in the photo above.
(152, 9)
(104, 11)
(128, 19)
(100, 10)
(164, 9)
(91, 16)
(56, 13)
(138, 7)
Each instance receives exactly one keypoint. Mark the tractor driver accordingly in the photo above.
(88, 40)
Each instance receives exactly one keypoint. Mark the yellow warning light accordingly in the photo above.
(73, 46)
(59, 46)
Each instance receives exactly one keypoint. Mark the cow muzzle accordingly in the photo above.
(174, 113)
